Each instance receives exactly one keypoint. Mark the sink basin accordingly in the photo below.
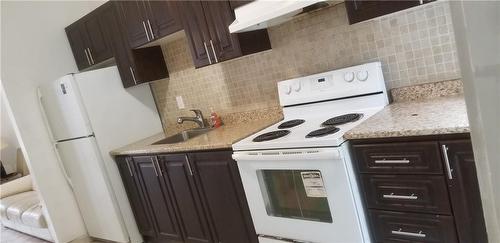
(183, 136)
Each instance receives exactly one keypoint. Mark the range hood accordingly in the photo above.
(261, 14)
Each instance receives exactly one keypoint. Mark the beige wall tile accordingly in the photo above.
(415, 46)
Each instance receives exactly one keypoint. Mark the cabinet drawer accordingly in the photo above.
(399, 158)
(412, 193)
(408, 227)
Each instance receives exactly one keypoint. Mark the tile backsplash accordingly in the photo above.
(415, 46)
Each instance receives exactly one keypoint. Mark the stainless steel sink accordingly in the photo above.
(183, 136)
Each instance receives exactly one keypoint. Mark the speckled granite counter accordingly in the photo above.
(445, 115)
(220, 138)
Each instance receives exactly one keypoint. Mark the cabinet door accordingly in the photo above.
(162, 19)
(77, 40)
(133, 19)
(99, 46)
(464, 190)
(158, 195)
(136, 198)
(192, 216)
(360, 10)
(196, 29)
(219, 16)
(222, 192)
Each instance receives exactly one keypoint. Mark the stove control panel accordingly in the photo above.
(336, 84)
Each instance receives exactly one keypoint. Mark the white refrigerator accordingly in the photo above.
(88, 114)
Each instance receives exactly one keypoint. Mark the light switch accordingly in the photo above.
(180, 102)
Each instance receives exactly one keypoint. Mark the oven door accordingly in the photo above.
(300, 194)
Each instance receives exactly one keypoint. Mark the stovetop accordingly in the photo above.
(310, 133)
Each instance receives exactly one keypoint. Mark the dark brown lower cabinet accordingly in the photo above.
(464, 190)
(194, 198)
(221, 188)
(408, 202)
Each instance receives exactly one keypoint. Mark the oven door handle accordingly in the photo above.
(289, 154)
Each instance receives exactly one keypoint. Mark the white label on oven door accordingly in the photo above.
(313, 183)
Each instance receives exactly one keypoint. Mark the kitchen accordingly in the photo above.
(416, 52)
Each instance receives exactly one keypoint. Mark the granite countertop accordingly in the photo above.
(445, 115)
(219, 138)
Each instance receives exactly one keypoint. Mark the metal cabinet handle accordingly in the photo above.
(90, 54)
(145, 30)
(188, 165)
(208, 55)
(87, 55)
(421, 2)
(128, 165)
(392, 161)
(151, 30)
(213, 50)
(400, 232)
(154, 166)
(392, 196)
(133, 75)
(158, 164)
(447, 162)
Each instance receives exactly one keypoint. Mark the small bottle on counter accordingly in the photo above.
(215, 120)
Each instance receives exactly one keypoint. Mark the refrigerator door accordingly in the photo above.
(64, 110)
(83, 163)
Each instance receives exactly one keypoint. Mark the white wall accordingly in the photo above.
(477, 31)
(34, 50)
(8, 155)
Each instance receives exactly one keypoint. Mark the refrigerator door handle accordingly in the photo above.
(49, 130)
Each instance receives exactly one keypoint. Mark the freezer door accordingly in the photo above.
(83, 164)
(63, 109)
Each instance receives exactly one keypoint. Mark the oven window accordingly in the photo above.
(297, 194)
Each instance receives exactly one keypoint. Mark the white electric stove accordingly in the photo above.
(297, 174)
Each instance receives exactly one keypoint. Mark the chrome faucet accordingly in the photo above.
(198, 119)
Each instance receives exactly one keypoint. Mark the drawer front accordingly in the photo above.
(408, 227)
(399, 158)
(408, 193)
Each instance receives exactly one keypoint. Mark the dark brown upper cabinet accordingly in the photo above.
(88, 39)
(100, 35)
(361, 10)
(145, 21)
(206, 26)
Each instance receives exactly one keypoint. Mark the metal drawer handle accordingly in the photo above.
(392, 161)
(87, 55)
(128, 166)
(213, 50)
(208, 55)
(447, 162)
(392, 196)
(400, 232)
(154, 166)
(145, 30)
(151, 30)
(90, 55)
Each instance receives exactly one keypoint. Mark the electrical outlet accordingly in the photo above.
(180, 102)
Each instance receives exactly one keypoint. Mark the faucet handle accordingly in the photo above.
(197, 112)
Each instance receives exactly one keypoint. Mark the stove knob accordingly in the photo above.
(287, 89)
(349, 77)
(362, 75)
(296, 86)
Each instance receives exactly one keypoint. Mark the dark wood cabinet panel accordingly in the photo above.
(159, 197)
(178, 175)
(464, 191)
(77, 38)
(99, 44)
(399, 158)
(137, 201)
(361, 10)
(410, 193)
(133, 18)
(392, 227)
(219, 16)
(162, 18)
(221, 189)
(195, 26)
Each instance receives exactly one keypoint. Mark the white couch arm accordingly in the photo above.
(16, 186)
